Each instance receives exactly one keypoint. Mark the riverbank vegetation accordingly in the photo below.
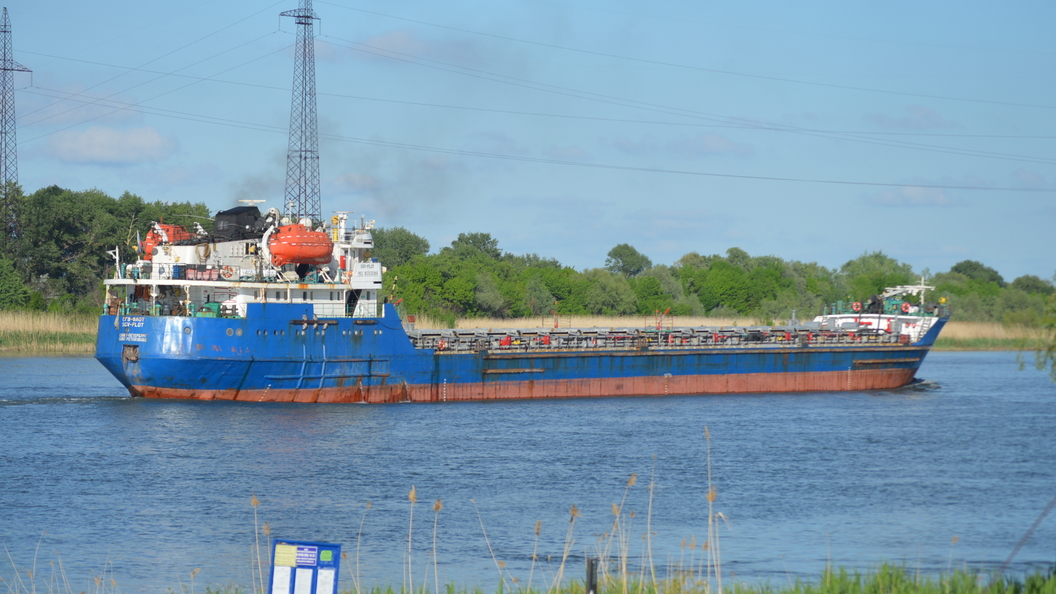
(54, 257)
(46, 333)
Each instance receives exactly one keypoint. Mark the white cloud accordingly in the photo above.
(108, 146)
(66, 104)
(645, 146)
(498, 143)
(917, 117)
(704, 144)
(708, 144)
(910, 196)
(567, 153)
(405, 43)
(1029, 179)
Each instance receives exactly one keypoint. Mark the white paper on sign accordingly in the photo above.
(303, 585)
(325, 582)
(280, 580)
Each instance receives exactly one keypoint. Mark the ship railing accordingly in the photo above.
(191, 310)
(585, 339)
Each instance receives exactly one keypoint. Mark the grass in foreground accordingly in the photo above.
(887, 579)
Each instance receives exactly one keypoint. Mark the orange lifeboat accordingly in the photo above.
(297, 244)
(174, 233)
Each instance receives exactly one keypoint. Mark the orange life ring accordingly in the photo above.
(856, 306)
(227, 272)
(441, 344)
(905, 307)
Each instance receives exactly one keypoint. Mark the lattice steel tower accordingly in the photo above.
(302, 158)
(8, 146)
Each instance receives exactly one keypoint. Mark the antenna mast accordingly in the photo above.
(8, 146)
(302, 158)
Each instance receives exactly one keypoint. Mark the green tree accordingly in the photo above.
(489, 298)
(394, 246)
(537, 298)
(650, 295)
(624, 259)
(1020, 308)
(10, 202)
(979, 272)
(1030, 283)
(739, 258)
(473, 245)
(606, 293)
(13, 292)
(870, 273)
(460, 293)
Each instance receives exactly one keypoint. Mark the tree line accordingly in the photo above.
(473, 277)
(55, 243)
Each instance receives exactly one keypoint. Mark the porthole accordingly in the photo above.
(238, 331)
(186, 329)
(230, 332)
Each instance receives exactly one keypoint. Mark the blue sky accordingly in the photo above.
(810, 131)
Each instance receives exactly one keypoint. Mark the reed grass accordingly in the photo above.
(27, 333)
(991, 336)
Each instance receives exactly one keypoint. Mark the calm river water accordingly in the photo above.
(953, 471)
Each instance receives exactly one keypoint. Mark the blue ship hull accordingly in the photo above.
(278, 353)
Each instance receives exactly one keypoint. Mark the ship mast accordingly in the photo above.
(302, 158)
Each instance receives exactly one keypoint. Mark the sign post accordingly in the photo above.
(299, 567)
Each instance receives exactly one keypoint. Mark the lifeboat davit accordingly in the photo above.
(174, 234)
(297, 244)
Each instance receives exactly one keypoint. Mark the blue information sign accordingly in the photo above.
(299, 567)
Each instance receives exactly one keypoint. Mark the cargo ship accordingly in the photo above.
(277, 307)
(268, 309)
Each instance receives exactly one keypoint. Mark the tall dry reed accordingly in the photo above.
(413, 498)
(24, 332)
(436, 521)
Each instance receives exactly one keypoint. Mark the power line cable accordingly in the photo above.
(461, 152)
(181, 48)
(687, 66)
(746, 124)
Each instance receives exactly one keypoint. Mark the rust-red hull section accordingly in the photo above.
(870, 379)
